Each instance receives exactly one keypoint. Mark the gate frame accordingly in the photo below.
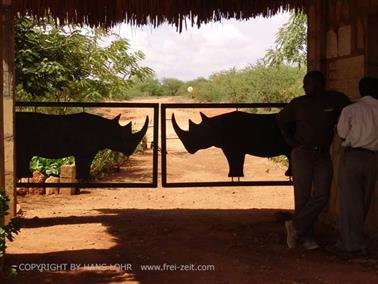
(152, 184)
(164, 153)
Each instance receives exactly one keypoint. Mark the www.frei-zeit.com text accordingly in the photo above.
(51, 267)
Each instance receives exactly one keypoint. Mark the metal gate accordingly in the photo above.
(165, 154)
(84, 106)
(155, 146)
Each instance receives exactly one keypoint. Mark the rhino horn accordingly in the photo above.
(183, 135)
(138, 136)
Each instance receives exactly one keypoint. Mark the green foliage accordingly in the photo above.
(291, 43)
(276, 78)
(254, 84)
(171, 86)
(56, 63)
(282, 160)
(49, 166)
(106, 161)
(13, 227)
(258, 83)
(64, 64)
(153, 87)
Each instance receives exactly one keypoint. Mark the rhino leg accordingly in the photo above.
(83, 166)
(235, 163)
(22, 167)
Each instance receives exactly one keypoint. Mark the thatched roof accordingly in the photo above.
(141, 12)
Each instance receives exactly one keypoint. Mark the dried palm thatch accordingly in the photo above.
(107, 13)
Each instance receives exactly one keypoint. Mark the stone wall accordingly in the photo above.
(67, 175)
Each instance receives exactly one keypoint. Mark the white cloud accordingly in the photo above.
(200, 52)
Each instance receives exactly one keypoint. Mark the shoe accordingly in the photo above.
(291, 234)
(310, 245)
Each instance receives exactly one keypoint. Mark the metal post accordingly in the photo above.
(156, 146)
(163, 146)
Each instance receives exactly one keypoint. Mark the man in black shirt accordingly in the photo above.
(307, 124)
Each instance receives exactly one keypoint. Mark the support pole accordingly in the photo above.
(7, 148)
(2, 183)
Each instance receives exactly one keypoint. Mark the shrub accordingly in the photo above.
(106, 161)
(49, 166)
(7, 231)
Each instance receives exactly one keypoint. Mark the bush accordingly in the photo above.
(254, 84)
(106, 161)
(49, 166)
(7, 231)
(282, 160)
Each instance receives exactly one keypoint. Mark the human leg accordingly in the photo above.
(370, 180)
(302, 178)
(322, 177)
(352, 203)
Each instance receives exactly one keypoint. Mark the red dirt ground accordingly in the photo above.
(236, 230)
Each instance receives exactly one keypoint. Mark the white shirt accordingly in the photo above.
(358, 124)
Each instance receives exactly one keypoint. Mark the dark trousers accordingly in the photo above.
(312, 176)
(358, 174)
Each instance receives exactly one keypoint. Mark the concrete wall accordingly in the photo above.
(343, 43)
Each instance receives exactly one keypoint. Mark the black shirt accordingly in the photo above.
(310, 120)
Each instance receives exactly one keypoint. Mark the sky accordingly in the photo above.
(200, 52)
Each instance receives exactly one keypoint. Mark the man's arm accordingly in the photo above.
(343, 126)
(286, 122)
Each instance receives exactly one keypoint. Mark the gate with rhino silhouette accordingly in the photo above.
(236, 133)
(234, 158)
(30, 125)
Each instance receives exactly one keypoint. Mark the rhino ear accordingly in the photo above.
(204, 117)
(116, 119)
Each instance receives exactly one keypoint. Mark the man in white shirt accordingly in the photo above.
(358, 127)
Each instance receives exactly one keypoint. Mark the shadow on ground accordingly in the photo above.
(242, 246)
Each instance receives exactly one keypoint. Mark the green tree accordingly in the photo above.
(61, 64)
(56, 63)
(275, 83)
(291, 43)
(151, 87)
(171, 86)
(255, 84)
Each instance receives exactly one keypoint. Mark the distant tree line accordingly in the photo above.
(257, 83)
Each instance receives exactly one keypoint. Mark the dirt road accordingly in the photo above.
(190, 235)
